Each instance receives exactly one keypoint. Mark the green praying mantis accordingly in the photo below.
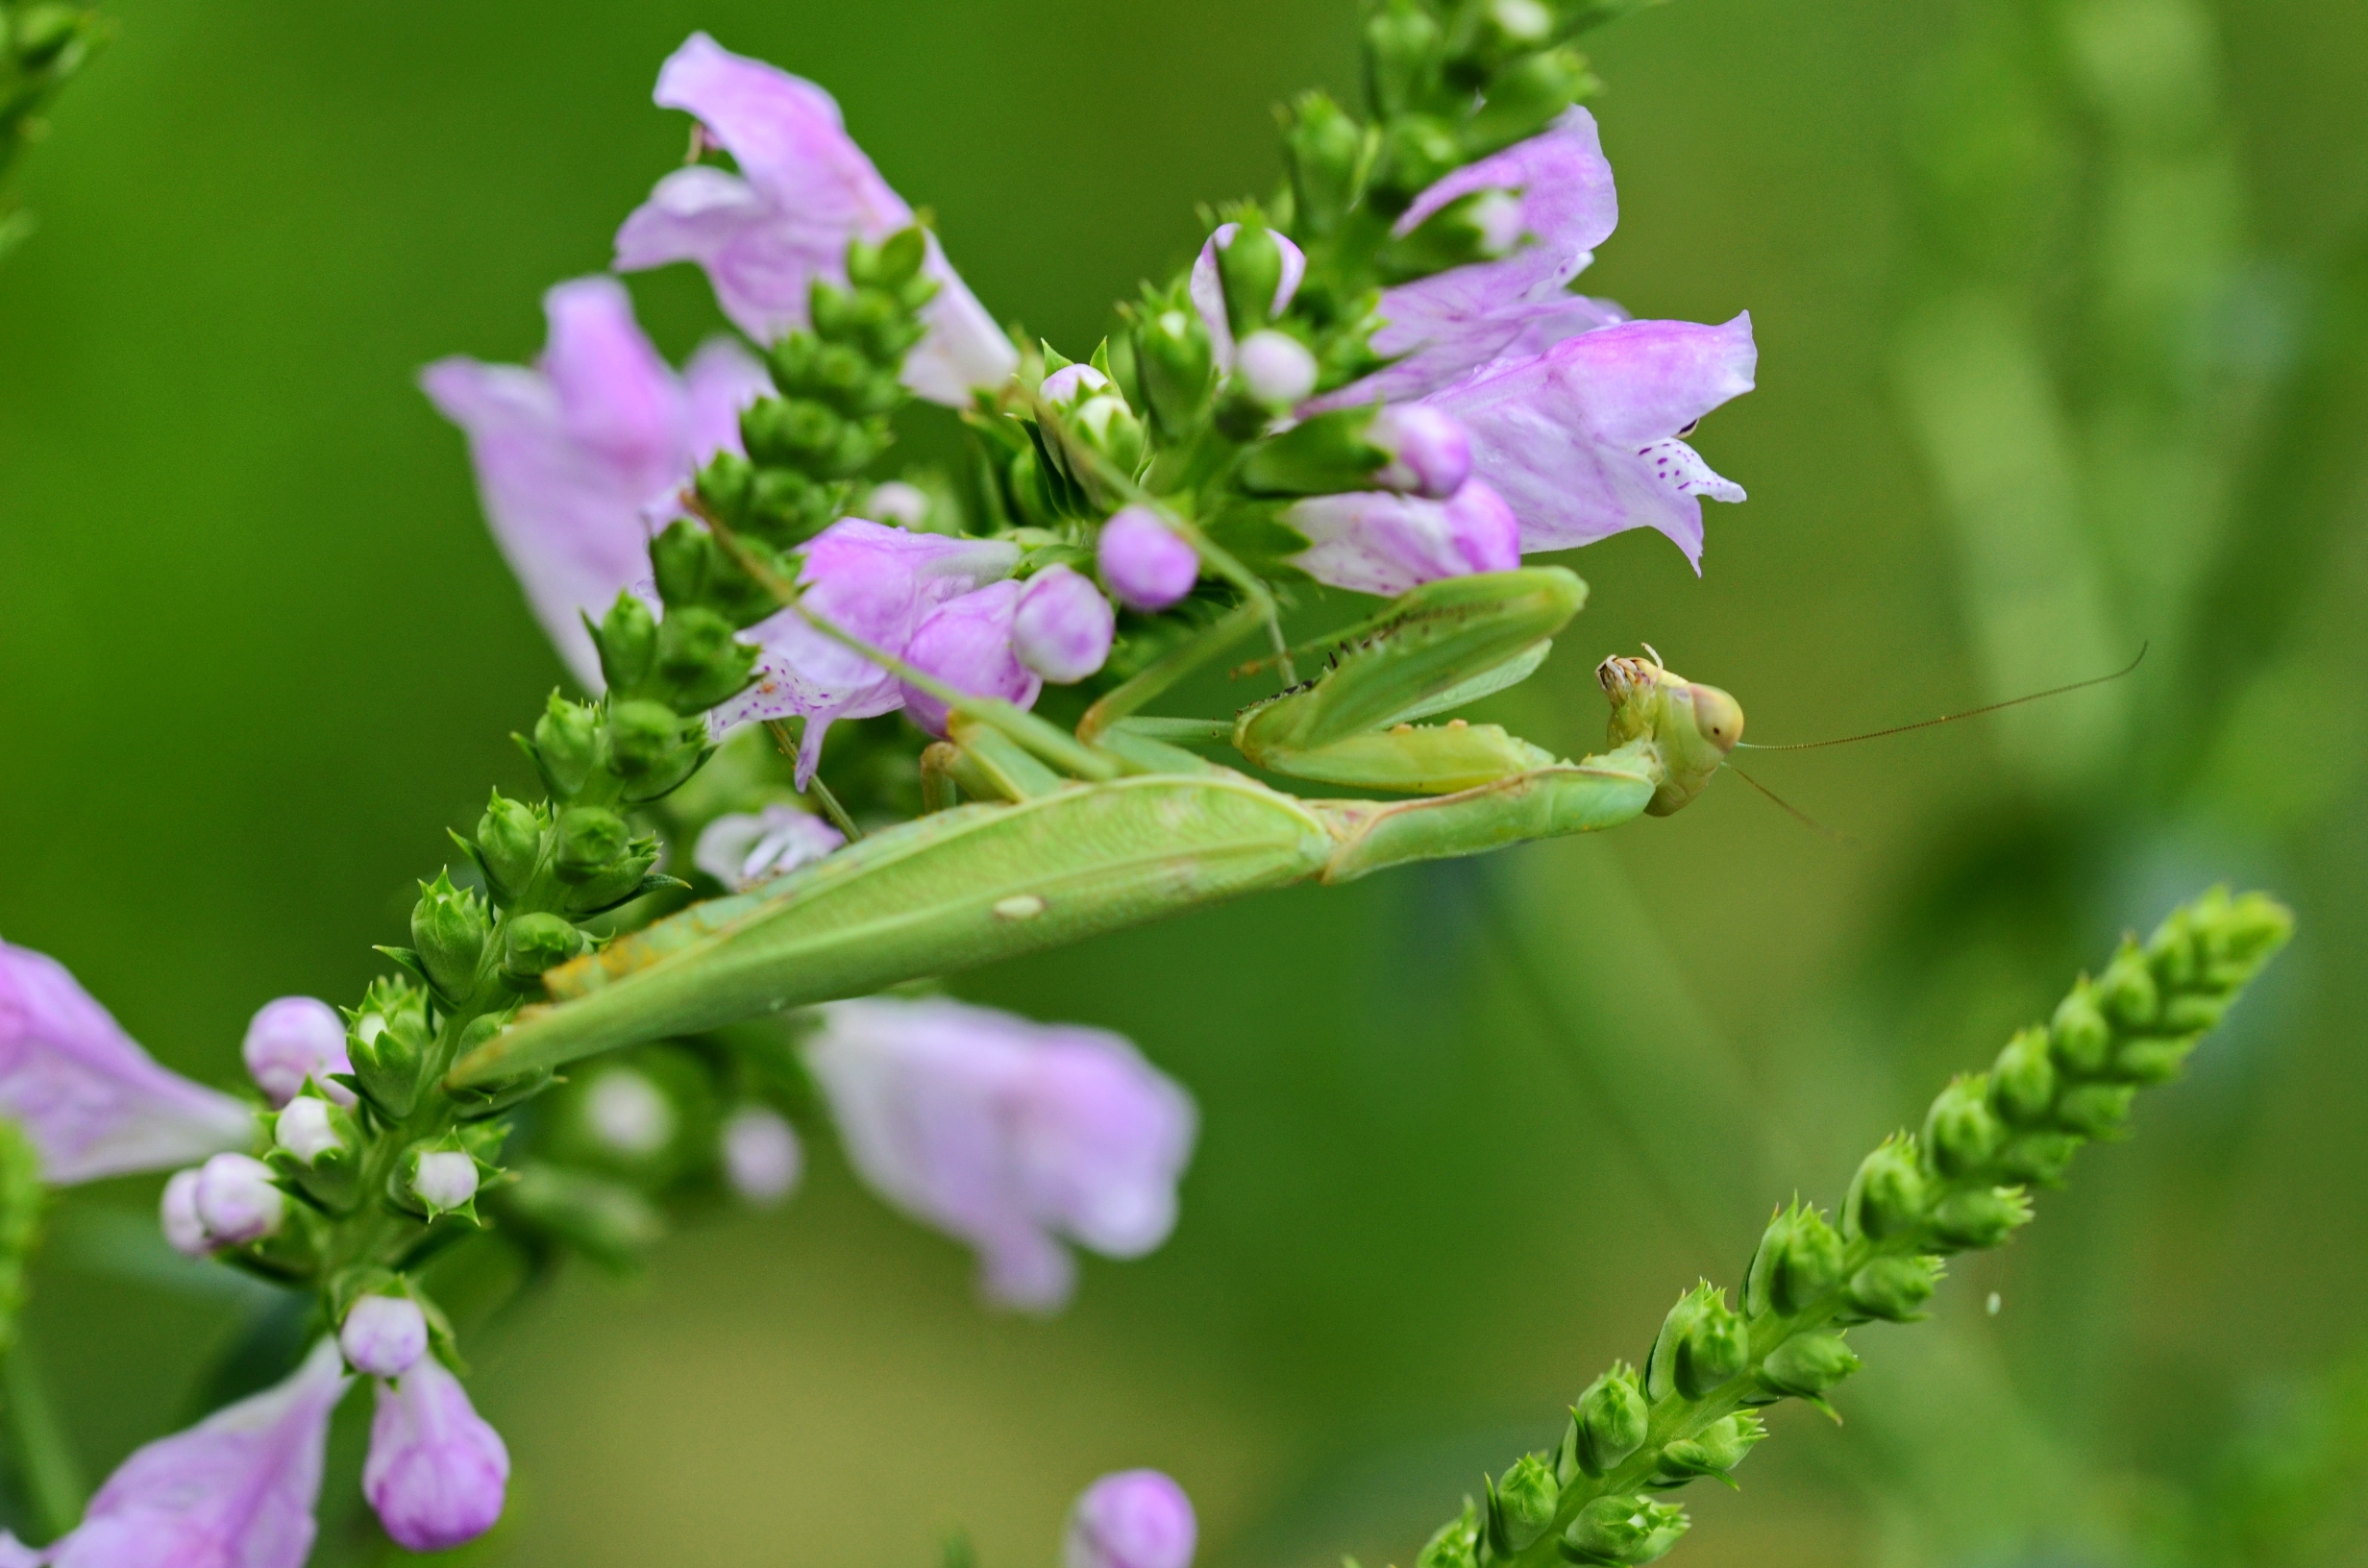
(1065, 837)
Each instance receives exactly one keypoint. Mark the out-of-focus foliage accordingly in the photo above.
(2064, 310)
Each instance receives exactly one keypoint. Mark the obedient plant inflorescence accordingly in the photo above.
(1960, 1184)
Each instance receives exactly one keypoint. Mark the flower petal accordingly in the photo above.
(1380, 542)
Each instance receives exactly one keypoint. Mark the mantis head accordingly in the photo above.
(1691, 725)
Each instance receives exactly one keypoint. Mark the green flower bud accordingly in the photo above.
(2022, 1085)
(2172, 954)
(1403, 47)
(2094, 1110)
(1960, 1131)
(2077, 1038)
(2039, 1159)
(1808, 1364)
(699, 663)
(2127, 991)
(1416, 150)
(1177, 362)
(1894, 1289)
(1317, 456)
(651, 746)
(1521, 1506)
(1455, 1544)
(447, 931)
(1527, 96)
(2235, 937)
(890, 265)
(43, 33)
(1887, 1197)
(387, 1048)
(693, 568)
(605, 1219)
(592, 840)
(1702, 1346)
(724, 484)
(1717, 1450)
(801, 434)
(1622, 1530)
(532, 943)
(1324, 149)
(2190, 1013)
(1799, 1261)
(566, 744)
(509, 843)
(1607, 1424)
(1103, 423)
(2154, 1060)
(1252, 269)
(1983, 1217)
(627, 636)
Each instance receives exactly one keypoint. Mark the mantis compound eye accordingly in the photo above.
(1717, 716)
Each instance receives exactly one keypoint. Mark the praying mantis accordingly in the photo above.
(1067, 836)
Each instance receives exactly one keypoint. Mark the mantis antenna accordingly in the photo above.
(1795, 812)
(1946, 717)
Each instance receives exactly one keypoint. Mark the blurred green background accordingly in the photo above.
(2064, 316)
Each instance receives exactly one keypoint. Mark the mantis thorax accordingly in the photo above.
(1694, 727)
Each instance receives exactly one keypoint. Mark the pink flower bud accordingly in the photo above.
(383, 1337)
(183, 1231)
(1430, 454)
(236, 1201)
(1276, 367)
(1142, 560)
(444, 1179)
(1133, 1519)
(436, 1473)
(1070, 382)
(293, 1038)
(761, 1156)
(965, 642)
(1063, 627)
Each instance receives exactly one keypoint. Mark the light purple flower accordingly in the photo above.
(1379, 542)
(1007, 1134)
(1063, 627)
(1582, 441)
(762, 1159)
(293, 1038)
(177, 1211)
(436, 1474)
(1208, 287)
(804, 190)
(578, 457)
(1143, 562)
(742, 848)
(1131, 1519)
(383, 1337)
(1430, 454)
(965, 642)
(1439, 329)
(92, 1102)
(874, 583)
(236, 1200)
(234, 1492)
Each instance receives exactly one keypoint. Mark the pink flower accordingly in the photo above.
(1208, 289)
(741, 850)
(1142, 560)
(1007, 1134)
(1063, 627)
(93, 1103)
(1379, 542)
(293, 1038)
(436, 1474)
(805, 191)
(234, 1492)
(578, 457)
(965, 642)
(1133, 1519)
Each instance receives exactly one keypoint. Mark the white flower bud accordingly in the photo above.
(383, 1337)
(1276, 367)
(903, 505)
(445, 1178)
(761, 1156)
(628, 1113)
(183, 1231)
(236, 1201)
(303, 1129)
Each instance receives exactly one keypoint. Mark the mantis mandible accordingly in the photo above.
(1065, 838)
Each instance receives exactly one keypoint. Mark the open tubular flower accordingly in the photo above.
(804, 190)
(92, 1102)
(742, 848)
(1380, 542)
(1007, 1134)
(579, 457)
(965, 642)
(438, 1473)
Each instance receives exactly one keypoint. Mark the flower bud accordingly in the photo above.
(387, 1048)
(1430, 452)
(1808, 1364)
(383, 1337)
(1800, 1258)
(1527, 96)
(1274, 368)
(628, 1114)
(443, 1180)
(1417, 150)
(1175, 358)
(592, 840)
(2039, 1159)
(183, 1231)
(1702, 1346)
(566, 743)
(305, 1130)
(1887, 1197)
(293, 1038)
(625, 637)
(1894, 1289)
(1479, 226)
(535, 943)
(762, 1160)
(1960, 1131)
(1142, 563)
(448, 928)
(2077, 1038)
(652, 747)
(2022, 1084)
(1063, 627)
(2157, 1059)
(603, 1218)
(1717, 1448)
(1608, 1423)
(236, 1201)
(1622, 1530)
(1323, 148)
(1402, 46)
(510, 842)
(1252, 265)
(1982, 1217)
(1521, 1505)
(2094, 1110)
(436, 1474)
(1455, 1544)
(1133, 1519)
(2125, 991)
